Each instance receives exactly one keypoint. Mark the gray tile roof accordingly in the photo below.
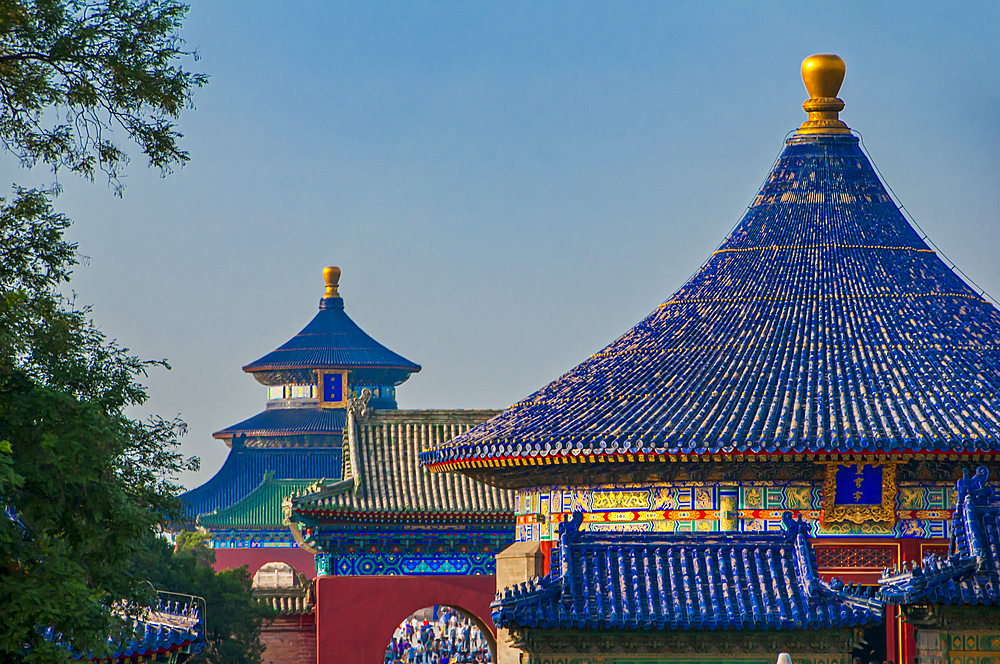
(383, 474)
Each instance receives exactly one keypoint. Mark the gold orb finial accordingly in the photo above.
(823, 74)
(331, 275)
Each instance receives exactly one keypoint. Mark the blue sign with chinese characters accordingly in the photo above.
(858, 484)
(333, 387)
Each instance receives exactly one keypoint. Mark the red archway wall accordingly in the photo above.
(356, 615)
(303, 561)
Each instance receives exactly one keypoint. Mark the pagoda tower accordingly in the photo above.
(824, 362)
(327, 481)
(298, 438)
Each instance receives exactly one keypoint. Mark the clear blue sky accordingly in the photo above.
(507, 187)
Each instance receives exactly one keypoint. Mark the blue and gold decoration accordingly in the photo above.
(403, 564)
(333, 390)
(859, 493)
(918, 510)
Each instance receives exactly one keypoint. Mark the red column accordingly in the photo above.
(909, 551)
(546, 556)
(892, 650)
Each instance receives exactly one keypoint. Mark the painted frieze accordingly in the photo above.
(918, 509)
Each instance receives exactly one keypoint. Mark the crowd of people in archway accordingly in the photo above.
(446, 638)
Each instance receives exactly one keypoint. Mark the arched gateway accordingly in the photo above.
(393, 538)
(359, 615)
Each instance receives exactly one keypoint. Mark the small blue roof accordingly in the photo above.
(971, 574)
(289, 422)
(171, 626)
(332, 340)
(668, 581)
(245, 468)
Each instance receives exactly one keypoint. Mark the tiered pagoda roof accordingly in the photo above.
(697, 581)
(260, 509)
(823, 325)
(385, 482)
(971, 574)
(332, 340)
(288, 422)
(295, 438)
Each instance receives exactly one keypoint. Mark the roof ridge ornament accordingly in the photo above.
(823, 74)
(331, 275)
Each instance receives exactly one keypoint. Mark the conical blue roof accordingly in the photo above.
(822, 324)
(332, 340)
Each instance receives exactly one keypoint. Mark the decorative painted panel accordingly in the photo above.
(400, 565)
(252, 539)
(852, 556)
(921, 511)
(417, 540)
(973, 647)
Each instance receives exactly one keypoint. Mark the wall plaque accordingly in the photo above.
(859, 492)
(333, 389)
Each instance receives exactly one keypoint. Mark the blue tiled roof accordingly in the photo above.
(245, 468)
(288, 422)
(971, 574)
(667, 581)
(823, 324)
(169, 627)
(332, 340)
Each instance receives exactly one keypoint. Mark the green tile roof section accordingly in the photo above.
(261, 508)
(387, 478)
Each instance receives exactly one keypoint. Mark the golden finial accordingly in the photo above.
(331, 275)
(823, 75)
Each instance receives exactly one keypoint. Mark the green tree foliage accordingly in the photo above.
(234, 617)
(82, 485)
(72, 72)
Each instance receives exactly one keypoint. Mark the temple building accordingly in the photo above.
(823, 362)
(392, 538)
(323, 498)
(297, 440)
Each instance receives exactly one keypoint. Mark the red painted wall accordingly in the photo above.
(289, 640)
(356, 615)
(254, 559)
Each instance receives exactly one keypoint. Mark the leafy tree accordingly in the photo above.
(82, 485)
(234, 617)
(72, 72)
